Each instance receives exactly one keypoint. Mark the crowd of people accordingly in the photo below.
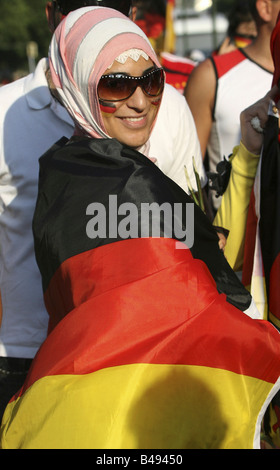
(122, 326)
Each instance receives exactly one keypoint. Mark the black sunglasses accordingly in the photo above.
(65, 6)
(119, 87)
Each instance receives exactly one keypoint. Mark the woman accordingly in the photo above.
(143, 351)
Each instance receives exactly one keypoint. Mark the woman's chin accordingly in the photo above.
(135, 142)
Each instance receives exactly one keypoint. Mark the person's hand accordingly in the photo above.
(222, 235)
(222, 241)
(253, 120)
(226, 46)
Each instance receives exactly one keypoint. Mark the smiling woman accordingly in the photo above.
(132, 101)
(100, 106)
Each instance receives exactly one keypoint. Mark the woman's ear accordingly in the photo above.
(264, 9)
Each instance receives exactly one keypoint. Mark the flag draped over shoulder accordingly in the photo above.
(144, 351)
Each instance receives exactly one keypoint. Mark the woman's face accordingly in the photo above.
(131, 121)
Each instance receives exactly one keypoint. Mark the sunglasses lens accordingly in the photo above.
(153, 83)
(114, 89)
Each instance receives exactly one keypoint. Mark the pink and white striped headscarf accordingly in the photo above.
(83, 46)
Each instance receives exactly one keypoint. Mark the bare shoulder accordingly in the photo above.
(202, 77)
(200, 96)
(204, 67)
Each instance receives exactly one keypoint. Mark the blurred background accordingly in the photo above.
(180, 27)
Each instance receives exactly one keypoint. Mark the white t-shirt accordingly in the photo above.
(174, 140)
(31, 121)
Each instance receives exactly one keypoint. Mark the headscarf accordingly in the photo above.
(83, 47)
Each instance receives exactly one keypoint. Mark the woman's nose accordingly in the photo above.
(138, 100)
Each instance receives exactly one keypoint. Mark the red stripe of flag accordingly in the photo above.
(129, 322)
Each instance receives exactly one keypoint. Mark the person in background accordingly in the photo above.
(142, 348)
(30, 108)
(241, 200)
(252, 197)
(241, 28)
(222, 86)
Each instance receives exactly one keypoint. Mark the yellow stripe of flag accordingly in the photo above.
(138, 406)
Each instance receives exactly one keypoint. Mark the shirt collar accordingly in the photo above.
(36, 87)
(38, 94)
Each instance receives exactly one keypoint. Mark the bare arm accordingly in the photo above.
(200, 95)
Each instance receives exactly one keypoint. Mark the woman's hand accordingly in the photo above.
(253, 120)
(227, 46)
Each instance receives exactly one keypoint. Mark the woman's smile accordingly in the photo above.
(135, 122)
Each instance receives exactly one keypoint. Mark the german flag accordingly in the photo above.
(146, 349)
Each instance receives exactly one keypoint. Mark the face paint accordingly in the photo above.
(107, 107)
(157, 102)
